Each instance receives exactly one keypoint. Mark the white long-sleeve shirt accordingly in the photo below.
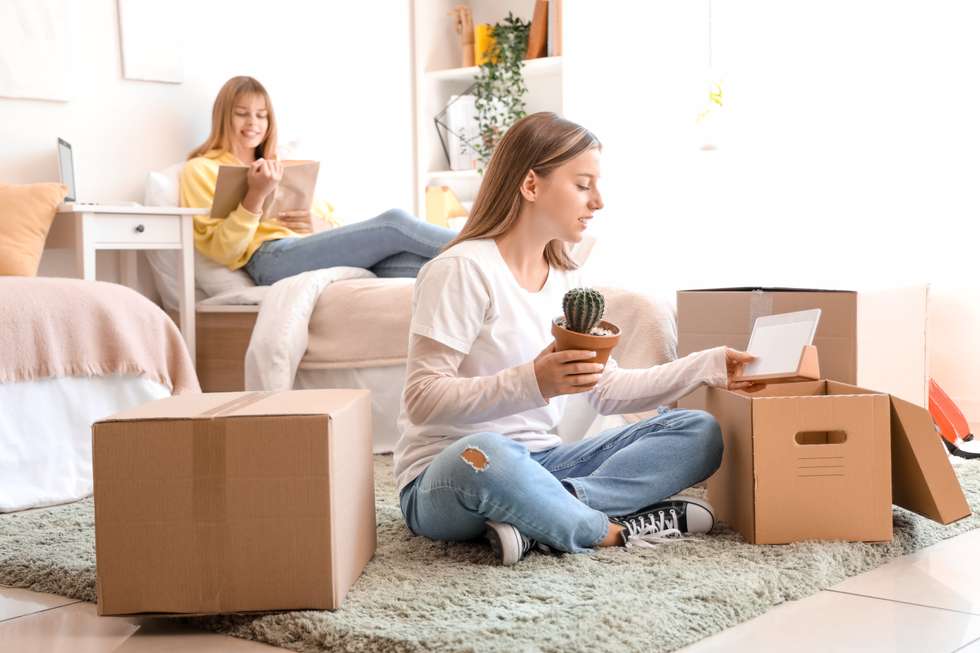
(474, 336)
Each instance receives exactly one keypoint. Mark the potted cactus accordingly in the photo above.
(582, 326)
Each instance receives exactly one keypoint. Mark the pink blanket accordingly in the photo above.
(54, 327)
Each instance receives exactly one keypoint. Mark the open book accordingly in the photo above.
(295, 190)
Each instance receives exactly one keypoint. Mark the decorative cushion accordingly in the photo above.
(163, 186)
(26, 213)
(211, 278)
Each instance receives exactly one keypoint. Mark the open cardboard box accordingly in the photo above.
(825, 460)
(233, 502)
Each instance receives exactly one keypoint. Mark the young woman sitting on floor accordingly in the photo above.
(272, 247)
(485, 387)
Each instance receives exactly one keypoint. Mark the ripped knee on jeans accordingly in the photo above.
(476, 458)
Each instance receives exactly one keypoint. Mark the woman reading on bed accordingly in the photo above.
(485, 387)
(272, 247)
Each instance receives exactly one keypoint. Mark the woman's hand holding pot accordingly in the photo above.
(565, 372)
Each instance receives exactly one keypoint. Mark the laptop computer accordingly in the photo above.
(66, 174)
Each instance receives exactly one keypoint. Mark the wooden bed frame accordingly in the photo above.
(223, 333)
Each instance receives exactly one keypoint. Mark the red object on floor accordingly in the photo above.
(949, 419)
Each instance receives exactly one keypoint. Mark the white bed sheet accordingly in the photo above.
(385, 383)
(46, 434)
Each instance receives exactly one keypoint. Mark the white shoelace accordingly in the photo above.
(648, 534)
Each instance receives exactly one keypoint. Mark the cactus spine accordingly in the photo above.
(583, 309)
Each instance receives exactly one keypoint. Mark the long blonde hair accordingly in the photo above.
(540, 142)
(224, 105)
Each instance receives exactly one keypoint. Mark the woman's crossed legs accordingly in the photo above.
(562, 497)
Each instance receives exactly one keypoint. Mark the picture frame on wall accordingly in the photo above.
(150, 40)
(35, 35)
(458, 129)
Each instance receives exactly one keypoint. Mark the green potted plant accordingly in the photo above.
(499, 86)
(582, 326)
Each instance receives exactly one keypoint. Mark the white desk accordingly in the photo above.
(88, 228)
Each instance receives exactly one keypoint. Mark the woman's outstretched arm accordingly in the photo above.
(434, 393)
(635, 390)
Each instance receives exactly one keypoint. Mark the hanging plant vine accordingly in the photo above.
(500, 89)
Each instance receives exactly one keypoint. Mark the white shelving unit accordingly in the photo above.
(452, 174)
(532, 68)
(437, 55)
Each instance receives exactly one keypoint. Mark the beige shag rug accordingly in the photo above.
(418, 595)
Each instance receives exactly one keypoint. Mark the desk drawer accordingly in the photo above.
(136, 229)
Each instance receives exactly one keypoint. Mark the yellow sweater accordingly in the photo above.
(232, 240)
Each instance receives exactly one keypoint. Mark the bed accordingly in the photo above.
(338, 354)
(74, 352)
(332, 357)
(342, 353)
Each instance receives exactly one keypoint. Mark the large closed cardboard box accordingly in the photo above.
(233, 502)
(825, 460)
(875, 338)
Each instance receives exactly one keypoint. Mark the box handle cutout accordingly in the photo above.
(821, 437)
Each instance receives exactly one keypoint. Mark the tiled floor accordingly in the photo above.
(923, 603)
(44, 623)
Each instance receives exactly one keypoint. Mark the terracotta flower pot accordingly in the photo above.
(601, 345)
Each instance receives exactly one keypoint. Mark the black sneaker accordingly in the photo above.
(666, 521)
(963, 448)
(508, 543)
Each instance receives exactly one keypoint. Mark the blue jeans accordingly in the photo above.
(617, 472)
(393, 244)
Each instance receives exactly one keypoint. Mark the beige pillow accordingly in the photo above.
(26, 213)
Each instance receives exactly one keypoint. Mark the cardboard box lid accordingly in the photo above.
(241, 404)
(764, 289)
(923, 479)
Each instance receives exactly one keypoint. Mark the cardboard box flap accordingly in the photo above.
(923, 480)
(764, 289)
(797, 389)
(240, 404)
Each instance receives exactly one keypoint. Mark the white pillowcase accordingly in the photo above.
(163, 186)
(211, 278)
(215, 279)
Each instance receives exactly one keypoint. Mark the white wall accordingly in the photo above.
(848, 149)
(954, 346)
(847, 153)
(339, 75)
